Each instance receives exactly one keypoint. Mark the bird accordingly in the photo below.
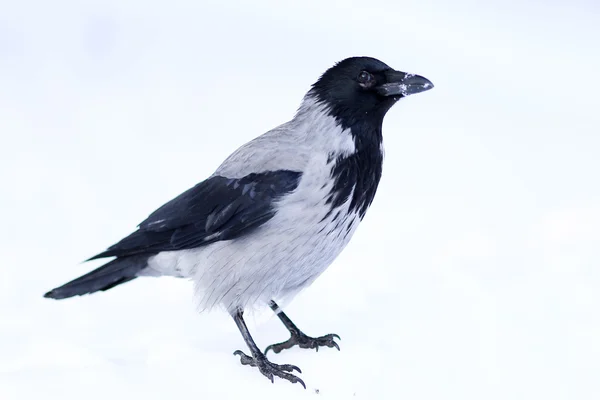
(275, 214)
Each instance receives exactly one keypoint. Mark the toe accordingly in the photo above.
(290, 368)
(278, 347)
(244, 359)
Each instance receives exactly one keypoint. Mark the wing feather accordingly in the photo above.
(218, 208)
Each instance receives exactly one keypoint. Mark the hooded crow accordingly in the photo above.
(276, 213)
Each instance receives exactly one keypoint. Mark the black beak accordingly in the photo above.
(403, 84)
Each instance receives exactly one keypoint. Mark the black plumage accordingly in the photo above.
(216, 209)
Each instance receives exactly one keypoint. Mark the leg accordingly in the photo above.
(298, 337)
(259, 360)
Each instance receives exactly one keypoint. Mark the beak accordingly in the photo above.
(403, 84)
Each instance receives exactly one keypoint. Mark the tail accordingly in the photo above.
(109, 275)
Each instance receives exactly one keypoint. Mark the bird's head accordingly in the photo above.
(361, 89)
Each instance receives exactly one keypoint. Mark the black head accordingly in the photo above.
(363, 89)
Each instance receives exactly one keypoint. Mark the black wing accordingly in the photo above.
(217, 209)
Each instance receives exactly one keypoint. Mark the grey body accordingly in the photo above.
(288, 252)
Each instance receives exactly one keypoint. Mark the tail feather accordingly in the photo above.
(109, 275)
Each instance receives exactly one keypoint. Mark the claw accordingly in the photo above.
(270, 369)
(300, 381)
(290, 368)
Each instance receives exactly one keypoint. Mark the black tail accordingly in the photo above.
(109, 275)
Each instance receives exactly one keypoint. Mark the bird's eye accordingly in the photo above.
(365, 79)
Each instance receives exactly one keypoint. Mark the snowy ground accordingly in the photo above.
(474, 276)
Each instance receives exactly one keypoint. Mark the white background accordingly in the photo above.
(475, 274)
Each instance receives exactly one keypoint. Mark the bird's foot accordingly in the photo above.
(305, 342)
(270, 369)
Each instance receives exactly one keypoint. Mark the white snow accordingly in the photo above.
(475, 274)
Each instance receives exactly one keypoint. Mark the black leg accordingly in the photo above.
(298, 337)
(259, 360)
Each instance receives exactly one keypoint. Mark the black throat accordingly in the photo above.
(356, 176)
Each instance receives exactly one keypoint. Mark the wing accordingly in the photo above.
(218, 208)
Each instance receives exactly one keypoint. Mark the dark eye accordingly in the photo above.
(365, 79)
